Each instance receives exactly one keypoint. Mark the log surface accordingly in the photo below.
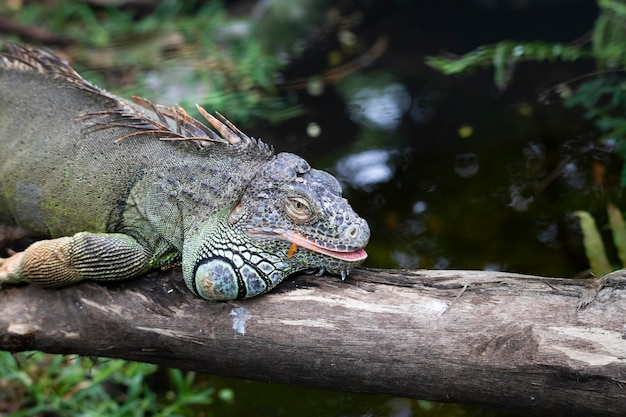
(490, 338)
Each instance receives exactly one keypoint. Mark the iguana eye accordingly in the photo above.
(298, 209)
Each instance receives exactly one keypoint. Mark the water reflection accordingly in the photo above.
(548, 233)
(421, 108)
(520, 196)
(534, 153)
(380, 107)
(406, 260)
(574, 177)
(466, 164)
(492, 266)
(365, 169)
(420, 207)
(438, 195)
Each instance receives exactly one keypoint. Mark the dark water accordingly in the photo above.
(262, 399)
(450, 172)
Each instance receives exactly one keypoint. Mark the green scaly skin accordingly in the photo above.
(119, 188)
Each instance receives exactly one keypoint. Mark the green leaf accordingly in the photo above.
(594, 247)
(616, 222)
(616, 6)
(501, 54)
(500, 58)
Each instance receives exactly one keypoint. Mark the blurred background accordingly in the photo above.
(468, 133)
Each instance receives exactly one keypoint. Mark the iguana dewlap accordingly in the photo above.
(122, 187)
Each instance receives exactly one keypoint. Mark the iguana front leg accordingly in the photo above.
(62, 261)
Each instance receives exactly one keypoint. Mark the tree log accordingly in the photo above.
(490, 338)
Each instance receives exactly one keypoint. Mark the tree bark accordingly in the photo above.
(490, 338)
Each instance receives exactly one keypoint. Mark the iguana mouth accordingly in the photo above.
(350, 256)
(297, 240)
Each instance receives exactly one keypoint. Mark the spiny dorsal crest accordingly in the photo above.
(25, 58)
(166, 123)
(174, 124)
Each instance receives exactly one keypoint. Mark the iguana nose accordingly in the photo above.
(352, 232)
(357, 233)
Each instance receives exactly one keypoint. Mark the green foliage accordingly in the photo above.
(607, 48)
(609, 35)
(604, 101)
(616, 223)
(503, 55)
(594, 247)
(180, 52)
(602, 94)
(38, 383)
(592, 240)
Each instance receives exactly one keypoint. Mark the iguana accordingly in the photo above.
(121, 187)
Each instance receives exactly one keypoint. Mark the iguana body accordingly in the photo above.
(121, 188)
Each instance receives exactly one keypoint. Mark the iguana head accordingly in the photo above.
(290, 218)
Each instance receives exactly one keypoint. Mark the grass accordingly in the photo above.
(35, 383)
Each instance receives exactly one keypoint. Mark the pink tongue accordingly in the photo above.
(357, 255)
(354, 256)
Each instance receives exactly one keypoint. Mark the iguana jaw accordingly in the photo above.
(352, 256)
(357, 255)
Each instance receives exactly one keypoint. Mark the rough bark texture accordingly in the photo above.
(491, 338)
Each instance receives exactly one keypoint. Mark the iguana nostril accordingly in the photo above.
(353, 231)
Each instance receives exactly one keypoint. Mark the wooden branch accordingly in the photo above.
(490, 338)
